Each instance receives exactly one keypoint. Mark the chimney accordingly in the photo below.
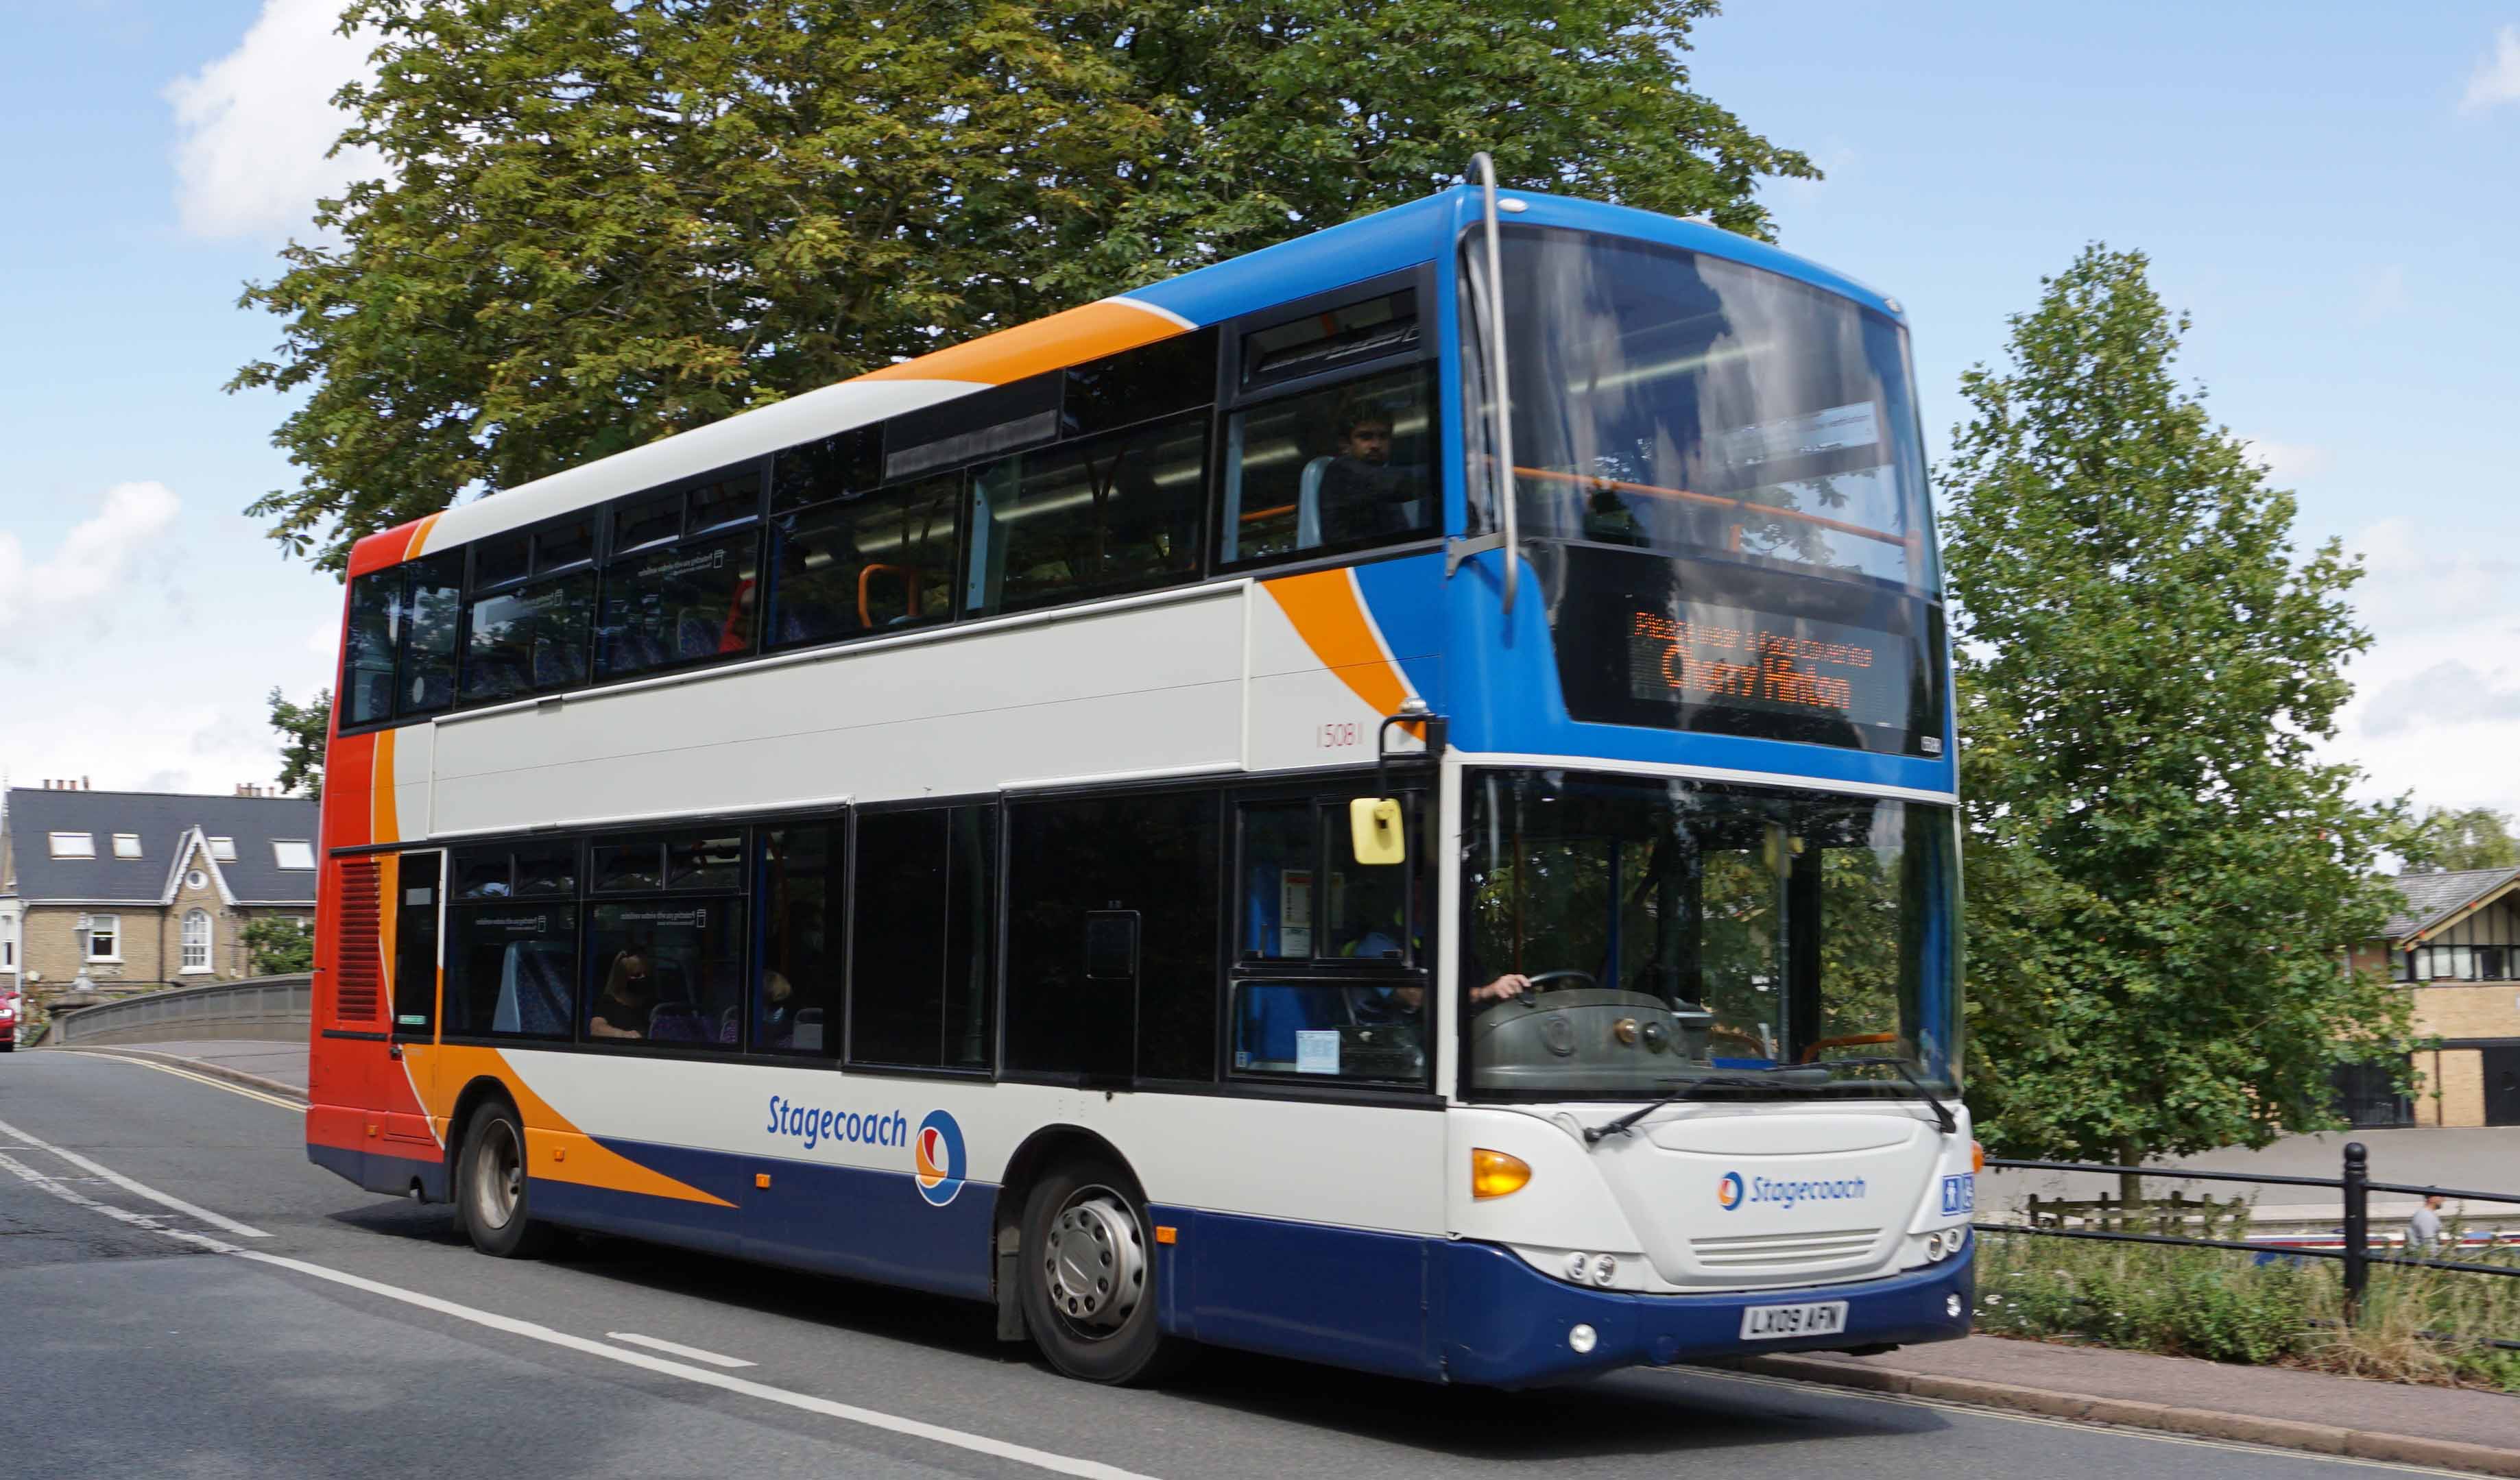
(85, 785)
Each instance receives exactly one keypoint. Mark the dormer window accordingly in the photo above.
(73, 845)
(126, 845)
(292, 853)
(223, 849)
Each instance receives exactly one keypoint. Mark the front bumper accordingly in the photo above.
(1508, 1323)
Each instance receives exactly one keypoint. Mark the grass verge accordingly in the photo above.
(2229, 1306)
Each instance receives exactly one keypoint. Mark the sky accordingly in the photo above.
(2328, 192)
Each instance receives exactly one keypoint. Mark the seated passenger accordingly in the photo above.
(1362, 494)
(628, 995)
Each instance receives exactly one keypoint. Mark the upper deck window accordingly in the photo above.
(1334, 338)
(1339, 469)
(683, 585)
(1095, 516)
(400, 656)
(1674, 401)
(881, 561)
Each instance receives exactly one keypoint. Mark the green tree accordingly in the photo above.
(2164, 875)
(279, 946)
(303, 730)
(2445, 839)
(611, 220)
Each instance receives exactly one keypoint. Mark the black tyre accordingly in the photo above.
(1089, 1277)
(493, 1196)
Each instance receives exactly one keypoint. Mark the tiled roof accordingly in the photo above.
(159, 819)
(2430, 896)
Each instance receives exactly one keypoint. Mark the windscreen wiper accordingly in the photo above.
(1595, 1135)
(1943, 1116)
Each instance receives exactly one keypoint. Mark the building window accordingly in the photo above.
(196, 941)
(197, 880)
(126, 845)
(73, 845)
(223, 849)
(104, 937)
(292, 853)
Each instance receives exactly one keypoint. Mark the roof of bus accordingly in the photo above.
(1367, 247)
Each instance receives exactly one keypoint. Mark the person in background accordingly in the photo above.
(1361, 493)
(2424, 1227)
(628, 994)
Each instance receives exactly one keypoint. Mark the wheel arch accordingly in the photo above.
(1042, 1149)
(483, 1088)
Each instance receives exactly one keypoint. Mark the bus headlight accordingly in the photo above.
(1605, 1270)
(1494, 1174)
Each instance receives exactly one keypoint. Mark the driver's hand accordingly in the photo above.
(1510, 984)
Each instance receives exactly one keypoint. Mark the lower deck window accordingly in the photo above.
(510, 970)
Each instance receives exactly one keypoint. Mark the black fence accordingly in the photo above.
(2355, 1187)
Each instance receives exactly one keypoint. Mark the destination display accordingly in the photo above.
(1708, 655)
(1726, 648)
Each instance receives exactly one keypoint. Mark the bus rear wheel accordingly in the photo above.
(1089, 1277)
(493, 1193)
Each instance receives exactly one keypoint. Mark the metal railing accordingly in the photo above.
(2355, 1188)
(262, 1007)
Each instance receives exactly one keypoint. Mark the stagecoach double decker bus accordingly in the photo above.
(1199, 820)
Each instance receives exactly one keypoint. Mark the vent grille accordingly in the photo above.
(358, 975)
(1783, 1250)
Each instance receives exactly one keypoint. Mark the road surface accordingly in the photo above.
(181, 1293)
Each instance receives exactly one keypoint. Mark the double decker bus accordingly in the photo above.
(1388, 800)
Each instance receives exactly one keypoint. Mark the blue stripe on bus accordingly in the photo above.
(1421, 231)
(838, 1220)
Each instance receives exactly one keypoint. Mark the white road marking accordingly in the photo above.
(713, 1359)
(2158, 1436)
(978, 1444)
(215, 1084)
(214, 1220)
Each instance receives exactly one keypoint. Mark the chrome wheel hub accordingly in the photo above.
(498, 1176)
(1095, 1260)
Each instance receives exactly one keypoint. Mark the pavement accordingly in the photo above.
(277, 1066)
(376, 1334)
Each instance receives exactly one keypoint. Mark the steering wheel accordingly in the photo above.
(1540, 983)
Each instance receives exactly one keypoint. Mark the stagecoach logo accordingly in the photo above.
(1733, 1191)
(939, 1152)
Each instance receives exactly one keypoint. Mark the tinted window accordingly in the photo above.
(1281, 857)
(1354, 1030)
(510, 968)
(666, 971)
(415, 967)
(1305, 897)
(633, 865)
(434, 612)
(547, 869)
(851, 462)
(796, 1010)
(1081, 874)
(650, 520)
(971, 428)
(565, 543)
(1349, 465)
(529, 641)
(1106, 515)
(1151, 381)
(1320, 342)
(368, 656)
(919, 983)
(869, 565)
(726, 500)
(502, 558)
(704, 863)
(678, 604)
(483, 873)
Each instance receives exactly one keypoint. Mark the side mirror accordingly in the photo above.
(1374, 831)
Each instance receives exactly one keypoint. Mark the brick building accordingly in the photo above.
(2457, 946)
(142, 889)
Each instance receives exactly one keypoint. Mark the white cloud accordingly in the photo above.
(254, 126)
(2498, 78)
(2288, 462)
(95, 558)
(2436, 709)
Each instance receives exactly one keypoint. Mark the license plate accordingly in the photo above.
(1767, 1322)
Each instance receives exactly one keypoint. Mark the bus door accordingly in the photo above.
(414, 886)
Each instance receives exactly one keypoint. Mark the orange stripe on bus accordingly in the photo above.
(386, 825)
(1328, 615)
(1063, 339)
(546, 1129)
(420, 537)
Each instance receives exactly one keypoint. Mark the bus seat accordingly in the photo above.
(532, 997)
(1307, 505)
(808, 1036)
(678, 1022)
(696, 637)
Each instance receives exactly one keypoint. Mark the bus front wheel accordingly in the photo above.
(492, 1192)
(1089, 1277)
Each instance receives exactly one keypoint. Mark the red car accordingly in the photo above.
(9, 1013)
